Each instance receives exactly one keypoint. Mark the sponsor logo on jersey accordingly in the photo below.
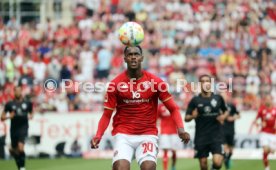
(200, 105)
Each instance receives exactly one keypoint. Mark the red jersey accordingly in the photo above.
(136, 103)
(267, 115)
(167, 124)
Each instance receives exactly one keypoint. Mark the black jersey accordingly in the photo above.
(21, 110)
(229, 127)
(208, 128)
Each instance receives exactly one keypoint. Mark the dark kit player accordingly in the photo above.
(209, 111)
(229, 130)
(19, 111)
(134, 95)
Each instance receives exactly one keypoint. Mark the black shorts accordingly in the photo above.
(202, 151)
(229, 139)
(18, 136)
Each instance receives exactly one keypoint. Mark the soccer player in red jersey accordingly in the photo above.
(267, 115)
(134, 95)
(168, 136)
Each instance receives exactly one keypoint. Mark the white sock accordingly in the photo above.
(22, 168)
(267, 168)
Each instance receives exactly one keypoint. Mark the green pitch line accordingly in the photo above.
(105, 164)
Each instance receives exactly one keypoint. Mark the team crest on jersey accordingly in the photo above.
(214, 103)
(24, 105)
(146, 84)
(13, 107)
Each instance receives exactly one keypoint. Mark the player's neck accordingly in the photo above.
(136, 74)
(18, 99)
(206, 94)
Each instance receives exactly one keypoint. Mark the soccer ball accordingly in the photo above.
(131, 34)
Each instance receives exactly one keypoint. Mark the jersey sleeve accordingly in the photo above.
(7, 107)
(162, 89)
(235, 110)
(191, 106)
(259, 114)
(30, 107)
(110, 101)
(223, 106)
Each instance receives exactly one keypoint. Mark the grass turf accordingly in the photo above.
(105, 164)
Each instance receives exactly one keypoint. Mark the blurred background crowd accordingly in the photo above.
(229, 39)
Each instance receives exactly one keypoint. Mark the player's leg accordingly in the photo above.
(203, 162)
(228, 150)
(146, 152)
(148, 165)
(14, 150)
(165, 144)
(165, 159)
(217, 150)
(123, 153)
(121, 165)
(173, 159)
(21, 155)
(176, 145)
(266, 151)
(265, 143)
(217, 161)
(202, 153)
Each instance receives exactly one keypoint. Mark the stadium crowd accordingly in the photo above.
(183, 39)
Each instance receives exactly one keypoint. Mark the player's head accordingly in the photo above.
(205, 83)
(133, 57)
(268, 100)
(17, 92)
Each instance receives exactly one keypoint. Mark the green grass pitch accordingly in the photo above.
(105, 164)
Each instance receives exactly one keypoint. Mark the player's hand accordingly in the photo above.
(95, 143)
(263, 124)
(184, 136)
(30, 116)
(195, 113)
(12, 114)
(221, 118)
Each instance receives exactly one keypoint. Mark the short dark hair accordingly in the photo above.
(138, 46)
(204, 75)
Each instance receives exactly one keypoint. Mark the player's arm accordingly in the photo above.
(175, 114)
(232, 118)
(110, 103)
(191, 112)
(103, 124)
(6, 116)
(31, 113)
(170, 104)
(255, 121)
(224, 112)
